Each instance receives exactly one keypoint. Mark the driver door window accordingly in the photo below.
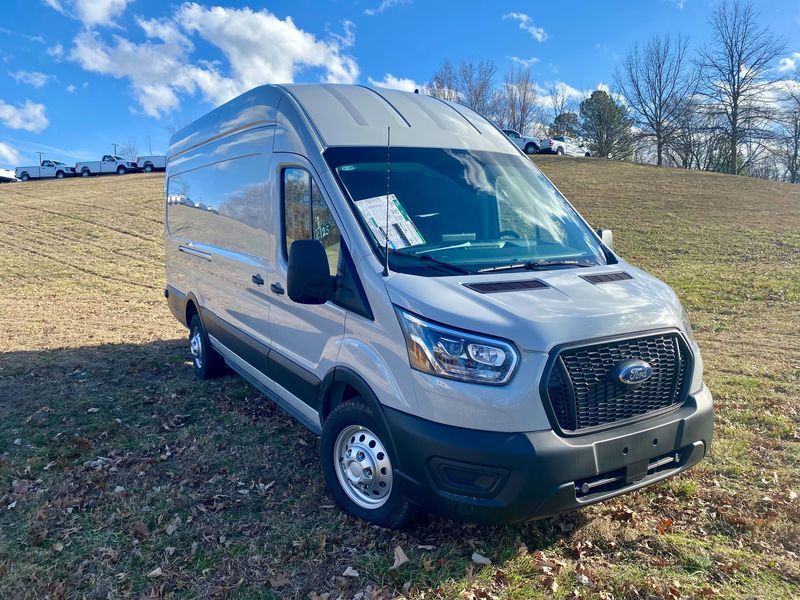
(306, 215)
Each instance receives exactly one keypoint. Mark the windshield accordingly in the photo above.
(470, 210)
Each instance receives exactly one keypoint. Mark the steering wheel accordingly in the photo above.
(510, 233)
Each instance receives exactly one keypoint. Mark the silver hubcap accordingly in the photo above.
(363, 466)
(196, 347)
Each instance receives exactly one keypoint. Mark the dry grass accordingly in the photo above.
(122, 475)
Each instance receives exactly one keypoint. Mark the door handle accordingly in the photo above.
(257, 279)
(276, 288)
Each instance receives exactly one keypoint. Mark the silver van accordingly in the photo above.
(396, 274)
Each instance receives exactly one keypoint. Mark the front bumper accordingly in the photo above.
(496, 477)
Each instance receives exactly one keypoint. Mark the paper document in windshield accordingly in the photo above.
(402, 231)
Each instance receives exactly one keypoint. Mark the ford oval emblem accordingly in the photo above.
(632, 372)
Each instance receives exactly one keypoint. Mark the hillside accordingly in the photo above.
(119, 473)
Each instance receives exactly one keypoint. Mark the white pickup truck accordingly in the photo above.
(48, 169)
(148, 164)
(109, 164)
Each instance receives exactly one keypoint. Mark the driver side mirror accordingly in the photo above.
(308, 280)
(607, 237)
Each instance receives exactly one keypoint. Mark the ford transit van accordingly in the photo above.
(397, 275)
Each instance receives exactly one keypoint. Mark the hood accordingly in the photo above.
(568, 308)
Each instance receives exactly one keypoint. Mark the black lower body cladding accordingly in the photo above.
(496, 477)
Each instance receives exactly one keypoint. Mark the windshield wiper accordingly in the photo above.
(533, 265)
(435, 261)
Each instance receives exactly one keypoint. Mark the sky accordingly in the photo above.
(79, 75)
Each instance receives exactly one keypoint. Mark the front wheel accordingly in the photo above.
(560, 151)
(60, 175)
(85, 173)
(588, 155)
(531, 149)
(121, 171)
(357, 465)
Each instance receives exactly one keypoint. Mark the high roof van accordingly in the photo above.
(397, 275)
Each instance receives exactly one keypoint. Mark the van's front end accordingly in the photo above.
(540, 371)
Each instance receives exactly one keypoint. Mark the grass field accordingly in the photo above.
(120, 475)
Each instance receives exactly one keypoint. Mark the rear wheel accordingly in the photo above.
(357, 465)
(148, 168)
(85, 173)
(531, 148)
(588, 155)
(205, 360)
(25, 177)
(560, 151)
(121, 170)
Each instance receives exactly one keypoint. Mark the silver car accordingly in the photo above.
(398, 276)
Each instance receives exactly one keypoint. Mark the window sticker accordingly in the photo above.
(402, 231)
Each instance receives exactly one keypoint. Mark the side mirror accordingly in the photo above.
(308, 279)
(607, 237)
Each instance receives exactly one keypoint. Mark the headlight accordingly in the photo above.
(456, 354)
(687, 326)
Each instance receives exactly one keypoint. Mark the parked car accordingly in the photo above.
(528, 144)
(7, 176)
(493, 359)
(109, 164)
(48, 169)
(148, 164)
(562, 144)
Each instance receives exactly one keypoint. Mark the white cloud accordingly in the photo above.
(34, 78)
(258, 48)
(8, 155)
(395, 83)
(29, 116)
(525, 62)
(384, 6)
(789, 63)
(526, 24)
(90, 12)
(70, 88)
(57, 51)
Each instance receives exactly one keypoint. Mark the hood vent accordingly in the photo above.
(496, 287)
(606, 277)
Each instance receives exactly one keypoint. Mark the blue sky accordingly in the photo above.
(77, 75)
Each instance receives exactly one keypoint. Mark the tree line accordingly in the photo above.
(722, 108)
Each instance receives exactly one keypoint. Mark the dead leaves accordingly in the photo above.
(141, 531)
(400, 558)
(480, 559)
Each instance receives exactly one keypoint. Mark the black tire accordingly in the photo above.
(560, 151)
(59, 174)
(121, 170)
(85, 173)
(588, 155)
(25, 177)
(396, 511)
(148, 168)
(531, 148)
(206, 362)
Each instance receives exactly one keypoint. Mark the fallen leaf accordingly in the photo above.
(94, 409)
(157, 572)
(792, 495)
(350, 572)
(400, 558)
(278, 581)
(426, 547)
(141, 530)
(664, 525)
(12, 505)
(57, 547)
(119, 489)
(480, 559)
(82, 443)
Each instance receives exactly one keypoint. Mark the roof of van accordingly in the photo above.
(353, 115)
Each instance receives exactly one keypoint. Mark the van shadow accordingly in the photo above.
(218, 445)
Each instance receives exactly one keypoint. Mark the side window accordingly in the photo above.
(307, 216)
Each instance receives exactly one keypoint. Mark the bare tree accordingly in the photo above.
(788, 146)
(560, 102)
(734, 67)
(129, 151)
(658, 87)
(178, 124)
(444, 84)
(519, 104)
(476, 85)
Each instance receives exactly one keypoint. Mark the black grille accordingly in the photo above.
(583, 395)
